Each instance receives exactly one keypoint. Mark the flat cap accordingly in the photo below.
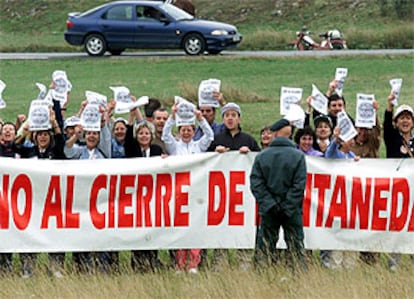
(279, 125)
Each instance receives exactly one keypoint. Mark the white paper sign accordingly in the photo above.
(124, 101)
(296, 116)
(288, 96)
(39, 117)
(185, 112)
(96, 98)
(2, 102)
(205, 92)
(91, 118)
(395, 89)
(365, 112)
(340, 76)
(42, 91)
(345, 125)
(62, 87)
(319, 102)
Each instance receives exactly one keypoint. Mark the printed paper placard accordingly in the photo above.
(96, 98)
(345, 125)
(62, 87)
(205, 92)
(289, 95)
(185, 112)
(39, 115)
(365, 112)
(340, 76)
(91, 118)
(2, 88)
(296, 116)
(395, 89)
(319, 102)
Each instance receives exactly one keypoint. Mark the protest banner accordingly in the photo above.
(202, 201)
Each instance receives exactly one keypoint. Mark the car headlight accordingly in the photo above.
(219, 32)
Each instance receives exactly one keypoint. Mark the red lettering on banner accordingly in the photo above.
(71, 218)
(143, 208)
(181, 199)
(411, 223)
(98, 219)
(4, 203)
(216, 212)
(307, 201)
(360, 203)
(216, 181)
(236, 198)
(125, 200)
(53, 204)
(399, 187)
(322, 183)
(338, 208)
(111, 200)
(21, 183)
(380, 204)
(162, 199)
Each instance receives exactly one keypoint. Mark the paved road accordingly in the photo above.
(291, 53)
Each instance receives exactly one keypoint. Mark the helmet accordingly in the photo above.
(334, 34)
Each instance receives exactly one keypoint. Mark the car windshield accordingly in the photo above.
(176, 13)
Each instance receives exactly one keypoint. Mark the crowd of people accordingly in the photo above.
(278, 188)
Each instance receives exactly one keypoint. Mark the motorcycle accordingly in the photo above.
(331, 40)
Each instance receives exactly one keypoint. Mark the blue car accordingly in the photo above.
(119, 25)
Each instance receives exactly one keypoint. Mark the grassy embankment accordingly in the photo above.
(266, 24)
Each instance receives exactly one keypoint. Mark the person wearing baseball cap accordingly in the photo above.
(399, 143)
(398, 130)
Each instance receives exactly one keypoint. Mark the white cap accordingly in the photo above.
(403, 108)
(71, 122)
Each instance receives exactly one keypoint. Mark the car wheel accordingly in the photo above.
(95, 45)
(214, 52)
(116, 52)
(194, 44)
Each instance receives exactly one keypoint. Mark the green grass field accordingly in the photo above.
(253, 83)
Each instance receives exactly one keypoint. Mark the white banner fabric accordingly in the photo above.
(196, 201)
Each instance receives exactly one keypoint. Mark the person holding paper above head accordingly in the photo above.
(139, 144)
(340, 148)
(399, 143)
(209, 113)
(98, 146)
(184, 114)
(398, 130)
(368, 139)
(47, 144)
(366, 145)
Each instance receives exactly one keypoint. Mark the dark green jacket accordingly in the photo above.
(278, 177)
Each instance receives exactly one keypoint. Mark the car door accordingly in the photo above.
(117, 24)
(154, 29)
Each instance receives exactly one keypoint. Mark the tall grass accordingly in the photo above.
(276, 282)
